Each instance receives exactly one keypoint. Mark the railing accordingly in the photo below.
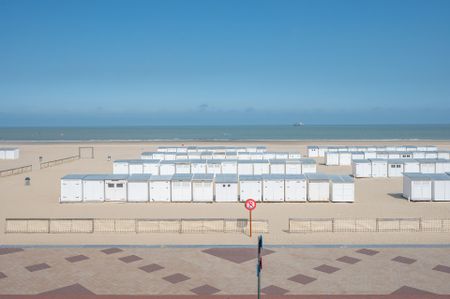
(97, 225)
(52, 163)
(331, 225)
(17, 170)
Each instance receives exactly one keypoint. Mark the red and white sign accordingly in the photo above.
(250, 204)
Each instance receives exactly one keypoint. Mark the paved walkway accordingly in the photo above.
(223, 271)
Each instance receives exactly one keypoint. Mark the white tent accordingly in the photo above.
(181, 185)
(261, 167)
(361, 168)
(120, 167)
(250, 186)
(395, 168)
(116, 187)
(331, 158)
(245, 167)
(273, 187)
(138, 188)
(417, 187)
(198, 166)
(345, 158)
(229, 166)
(295, 188)
(277, 166)
(440, 190)
(214, 166)
(226, 188)
(160, 187)
(72, 188)
(293, 167)
(308, 166)
(318, 187)
(202, 188)
(379, 168)
(167, 168)
(94, 187)
(342, 188)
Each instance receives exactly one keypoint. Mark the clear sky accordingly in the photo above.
(224, 62)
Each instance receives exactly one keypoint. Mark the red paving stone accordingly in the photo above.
(130, 259)
(274, 290)
(151, 268)
(404, 260)
(442, 268)
(2, 275)
(406, 290)
(367, 251)
(76, 258)
(37, 267)
(111, 250)
(176, 278)
(326, 269)
(205, 290)
(236, 255)
(348, 260)
(303, 279)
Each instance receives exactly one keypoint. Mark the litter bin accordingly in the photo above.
(27, 181)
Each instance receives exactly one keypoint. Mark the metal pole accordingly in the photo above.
(250, 223)
(259, 285)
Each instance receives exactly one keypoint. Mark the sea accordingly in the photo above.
(228, 133)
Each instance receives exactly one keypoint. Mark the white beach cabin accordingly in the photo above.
(72, 188)
(198, 166)
(8, 153)
(245, 167)
(440, 190)
(94, 187)
(183, 166)
(427, 165)
(273, 187)
(313, 151)
(295, 188)
(293, 166)
(261, 167)
(318, 187)
(417, 187)
(370, 155)
(342, 188)
(181, 185)
(136, 166)
(345, 158)
(138, 188)
(120, 167)
(160, 190)
(167, 168)
(116, 187)
(411, 165)
(150, 167)
(226, 188)
(229, 166)
(214, 166)
(442, 165)
(379, 168)
(203, 187)
(332, 158)
(357, 155)
(277, 166)
(395, 168)
(361, 168)
(308, 166)
(250, 186)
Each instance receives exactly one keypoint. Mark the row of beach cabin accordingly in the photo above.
(364, 168)
(426, 187)
(199, 149)
(216, 166)
(170, 156)
(9, 153)
(206, 188)
(345, 158)
(315, 151)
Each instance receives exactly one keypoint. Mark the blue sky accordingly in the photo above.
(224, 62)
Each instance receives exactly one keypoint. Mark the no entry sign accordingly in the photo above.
(250, 204)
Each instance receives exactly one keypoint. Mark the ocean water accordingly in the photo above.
(281, 132)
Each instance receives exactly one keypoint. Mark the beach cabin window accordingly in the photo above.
(119, 185)
(110, 185)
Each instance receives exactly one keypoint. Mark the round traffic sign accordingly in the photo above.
(250, 204)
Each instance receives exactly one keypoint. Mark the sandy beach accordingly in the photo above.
(374, 198)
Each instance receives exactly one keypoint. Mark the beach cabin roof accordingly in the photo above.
(250, 177)
(416, 176)
(160, 178)
(95, 177)
(139, 177)
(203, 177)
(294, 177)
(182, 177)
(226, 178)
(317, 176)
(273, 177)
(73, 177)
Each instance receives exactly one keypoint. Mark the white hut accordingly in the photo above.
(431, 155)
(443, 155)
(277, 166)
(395, 168)
(219, 155)
(245, 167)
(250, 186)
(427, 165)
(214, 166)
(308, 166)
(294, 156)
(379, 168)
(136, 166)
(401, 148)
(393, 155)
(418, 155)
(245, 156)
(273, 187)
(295, 188)
(345, 158)
(261, 167)
(440, 190)
(352, 148)
(138, 188)
(72, 188)
(94, 187)
(148, 155)
(170, 156)
(357, 155)
(150, 167)
(231, 156)
(116, 187)
(361, 168)
(229, 166)
(202, 188)
(391, 148)
(293, 166)
(120, 167)
(382, 155)
(342, 188)
(431, 148)
(370, 155)
(182, 166)
(198, 166)
(282, 155)
(372, 148)
(406, 155)
(181, 185)
(421, 148)
(322, 151)
(226, 188)
(442, 165)
(411, 165)
(331, 158)
(9, 153)
(167, 168)
(261, 149)
(160, 189)
(182, 149)
(194, 156)
(181, 156)
(411, 148)
(318, 187)
(417, 187)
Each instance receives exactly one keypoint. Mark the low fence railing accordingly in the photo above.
(102, 225)
(328, 225)
(17, 170)
(52, 163)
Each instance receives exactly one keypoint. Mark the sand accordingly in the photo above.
(374, 198)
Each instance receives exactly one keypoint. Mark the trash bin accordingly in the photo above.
(27, 181)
